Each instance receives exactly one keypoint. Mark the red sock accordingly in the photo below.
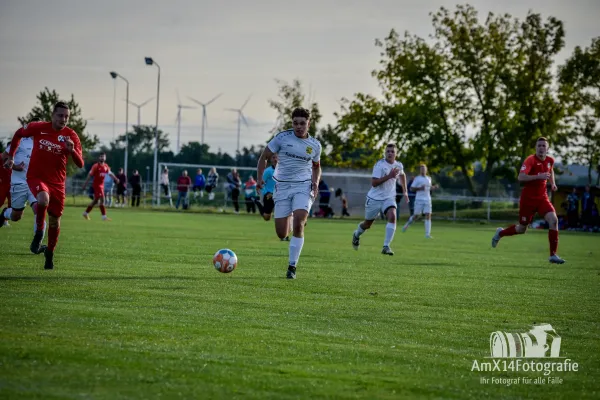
(52, 238)
(103, 210)
(553, 239)
(40, 217)
(88, 209)
(511, 230)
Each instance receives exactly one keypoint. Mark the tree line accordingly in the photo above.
(469, 99)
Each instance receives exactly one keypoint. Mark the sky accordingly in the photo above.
(234, 47)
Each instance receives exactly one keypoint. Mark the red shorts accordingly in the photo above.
(528, 208)
(98, 192)
(4, 194)
(56, 192)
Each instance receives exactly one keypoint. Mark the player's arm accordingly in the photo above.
(316, 170)
(262, 164)
(114, 177)
(14, 145)
(378, 181)
(526, 169)
(552, 181)
(403, 184)
(73, 145)
(87, 179)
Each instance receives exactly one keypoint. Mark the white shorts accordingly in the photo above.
(374, 207)
(422, 207)
(292, 196)
(19, 195)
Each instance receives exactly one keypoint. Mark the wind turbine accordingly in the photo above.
(241, 118)
(179, 108)
(139, 106)
(204, 117)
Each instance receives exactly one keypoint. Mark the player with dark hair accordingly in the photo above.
(381, 198)
(536, 171)
(53, 142)
(296, 180)
(97, 173)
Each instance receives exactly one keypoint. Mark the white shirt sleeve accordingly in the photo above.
(275, 144)
(400, 167)
(377, 171)
(7, 148)
(317, 156)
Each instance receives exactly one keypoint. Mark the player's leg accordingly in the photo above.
(90, 207)
(55, 210)
(526, 214)
(418, 211)
(389, 209)
(42, 195)
(102, 207)
(427, 213)
(372, 210)
(547, 210)
(33, 203)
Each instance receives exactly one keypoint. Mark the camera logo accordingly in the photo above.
(541, 341)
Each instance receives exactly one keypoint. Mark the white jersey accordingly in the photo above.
(425, 183)
(23, 155)
(295, 156)
(387, 190)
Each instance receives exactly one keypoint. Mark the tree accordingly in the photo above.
(476, 91)
(43, 110)
(580, 86)
(291, 97)
(141, 140)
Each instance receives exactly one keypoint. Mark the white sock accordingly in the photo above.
(359, 231)
(427, 227)
(7, 213)
(296, 244)
(390, 229)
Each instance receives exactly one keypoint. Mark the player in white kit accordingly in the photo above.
(19, 190)
(296, 180)
(422, 186)
(382, 197)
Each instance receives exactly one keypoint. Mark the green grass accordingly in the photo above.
(135, 310)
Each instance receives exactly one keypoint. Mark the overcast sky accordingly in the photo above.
(208, 47)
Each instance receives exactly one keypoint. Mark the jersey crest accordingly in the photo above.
(309, 150)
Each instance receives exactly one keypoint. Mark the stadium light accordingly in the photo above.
(115, 75)
(150, 61)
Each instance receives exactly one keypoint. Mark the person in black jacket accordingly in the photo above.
(136, 186)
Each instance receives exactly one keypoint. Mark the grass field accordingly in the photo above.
(135, 310)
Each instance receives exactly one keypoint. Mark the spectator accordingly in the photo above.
(183, 185)
(211, 183)
(234, 183)
(250, 195)
(109, 184)
(199, 183)
(165, 185)
(411, 196)
(587, 201)
(573, 209)
(324, 197)
(399, 193)
(121, 188)
(339, 193)
(136, 185)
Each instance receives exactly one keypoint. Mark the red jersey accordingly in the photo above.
(532, 166)
(5, 175)
(49, 155)
(98, 172)
(183, 183)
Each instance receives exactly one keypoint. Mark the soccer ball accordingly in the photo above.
(225, 261)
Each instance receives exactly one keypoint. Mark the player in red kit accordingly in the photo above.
(98, 172)
(53, 142)
(537, 169)
(4, 184)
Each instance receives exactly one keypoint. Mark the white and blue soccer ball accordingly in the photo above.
(225, 261)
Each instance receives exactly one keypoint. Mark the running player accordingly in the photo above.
(422, 186)
(381, 198)
(296, 181)
(97, 173)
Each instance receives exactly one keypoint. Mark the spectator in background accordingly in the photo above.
(184, 182)
(211, 183)
(324, 198)
(250, 194)
(399, 193)
(165, 185)
(587, 201)
(234, 183)
(339, 193)
(411, 196)
(199, 183)
(121, 188)
(136, 187)
(573, 209)
(109, 184)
